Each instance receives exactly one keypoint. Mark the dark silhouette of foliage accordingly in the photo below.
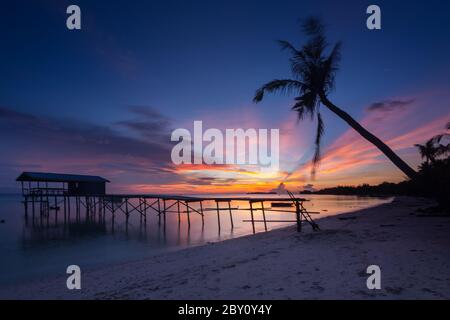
(432, 179)
(428, 151)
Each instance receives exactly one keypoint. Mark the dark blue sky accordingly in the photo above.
(193, 59)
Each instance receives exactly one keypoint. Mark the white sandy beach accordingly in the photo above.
(412, 252)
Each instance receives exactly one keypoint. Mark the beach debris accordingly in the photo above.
(347, 218)
(281, 204)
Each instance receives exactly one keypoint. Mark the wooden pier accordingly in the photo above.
(87, 193)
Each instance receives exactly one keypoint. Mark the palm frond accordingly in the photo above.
(443, 150)
(430, 150)
(330, 66)
(437, 139)
(282, 86)
(306, 104)
(335, 56)
(312, 26)
(286, 45)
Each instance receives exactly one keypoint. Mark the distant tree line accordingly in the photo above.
(432, 179)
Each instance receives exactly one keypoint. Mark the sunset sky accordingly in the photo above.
(104, 100)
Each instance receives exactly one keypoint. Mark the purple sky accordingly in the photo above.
(104, 100)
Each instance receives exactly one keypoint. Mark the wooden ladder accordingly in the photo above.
(304, 213)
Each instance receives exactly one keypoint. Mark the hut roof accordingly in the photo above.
(58, 177)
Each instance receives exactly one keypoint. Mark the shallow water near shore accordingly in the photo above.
(45, 246)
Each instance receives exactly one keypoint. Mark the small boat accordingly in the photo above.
(282, 204)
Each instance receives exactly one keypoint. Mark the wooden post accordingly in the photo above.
(298, 216)
(159, 212)
(187, 210)
(32, 203)
(40, 205)
(26, 205)
(231, 214)
(218, 214)
(56, 216)
(65, 209)
(46, 192)
(203, 215)
(251, 213)
(86, 199)
(48, 214)
(88, 209)
(179, 217)
(164, 206)
(264, 215)
(145, 210)
(113, 209)
(126, 209)
(78, 205)
(140, 208)
(68, 207)
(104, 208)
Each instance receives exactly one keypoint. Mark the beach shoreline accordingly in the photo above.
(283, 264)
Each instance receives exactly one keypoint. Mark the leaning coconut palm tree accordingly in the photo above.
(313, 70)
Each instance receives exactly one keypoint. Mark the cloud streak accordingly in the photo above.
(61, 144)
(389, 105)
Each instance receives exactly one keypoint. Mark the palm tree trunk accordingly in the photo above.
(402, 165)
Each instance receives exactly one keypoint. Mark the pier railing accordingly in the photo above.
(44, 191)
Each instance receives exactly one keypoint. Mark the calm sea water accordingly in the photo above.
(39, 247)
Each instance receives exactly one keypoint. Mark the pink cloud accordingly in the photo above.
(351, 159)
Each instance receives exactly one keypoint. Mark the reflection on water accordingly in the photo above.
(46, 244)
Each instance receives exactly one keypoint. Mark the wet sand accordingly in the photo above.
(412, 252)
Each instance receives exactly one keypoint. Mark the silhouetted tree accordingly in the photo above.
(314, 71)
(442, 149)
(428, 151)
(433, 148)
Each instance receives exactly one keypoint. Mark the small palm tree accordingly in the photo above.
(428, 151)
(313, 78)
(442, 149)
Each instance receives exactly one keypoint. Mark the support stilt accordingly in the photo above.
(231, 215)
(253, 219)
(188, 217)
(218, 214)
(203, 215)
(264, 215)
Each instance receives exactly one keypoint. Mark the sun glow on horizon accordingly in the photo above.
(349, 160)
